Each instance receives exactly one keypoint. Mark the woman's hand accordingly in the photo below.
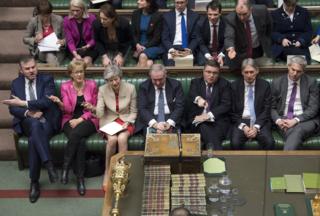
(61, 42)
(105, 60)
(316, 39)
(74, 122)
(140, 48)
(38, 37)
(118, 60)
(88, 106)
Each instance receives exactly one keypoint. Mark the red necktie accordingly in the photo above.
(214, 41)
(249, 39)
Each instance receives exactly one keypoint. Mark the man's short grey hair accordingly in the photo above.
(26, 59)
(112, 71)
(298, 60)
(157, 67)
(251, 62)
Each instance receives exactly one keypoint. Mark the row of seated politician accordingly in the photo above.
(242, 110)
(249, 31)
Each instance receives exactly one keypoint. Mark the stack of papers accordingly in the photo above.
(49, 43)
(294, 183)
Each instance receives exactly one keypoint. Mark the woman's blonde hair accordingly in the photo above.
(75, 64)
(80, 4)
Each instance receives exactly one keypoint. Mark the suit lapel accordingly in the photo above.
(207, 32)
(168, 92)
(241, 94)
(284, 92)
(189, 21)
(39, 87)
(303, 90)
(22, 84)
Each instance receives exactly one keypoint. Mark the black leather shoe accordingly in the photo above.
(34, 192)
(52, 173)
(81, 187)
(65, 176)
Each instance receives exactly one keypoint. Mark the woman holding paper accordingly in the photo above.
(79, 33)
(78, 123)
(116, 103)
(43, 26)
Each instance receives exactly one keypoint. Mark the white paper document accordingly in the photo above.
(49, 43)
(112, 128)
(315, 52)
(97, 1)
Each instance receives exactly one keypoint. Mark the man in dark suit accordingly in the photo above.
(251, 108)
(295, 104)
(292, 31)
(177, 36)
(36, 117)
(247, 33)
(211, 35)
(210, 103)
(160, 102)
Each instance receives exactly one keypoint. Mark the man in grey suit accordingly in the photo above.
(247, 33)
(295, 104)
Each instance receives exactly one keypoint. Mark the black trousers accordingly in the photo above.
(264, 137)
(212, 134)
(76, 148)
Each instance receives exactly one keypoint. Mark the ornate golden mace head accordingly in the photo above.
(120, 177)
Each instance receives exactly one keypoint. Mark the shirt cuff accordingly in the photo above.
(207, 56)
(152, 122)
(241, 126)
(25, 113)
(257, 126)
(171, 122)
(196, 99)
(211, 116)
(279, 119)
(297, 119)
(221, 54)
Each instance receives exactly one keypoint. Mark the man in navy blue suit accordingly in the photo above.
(176, 36)
(160, 117)
(36, 117)
(211, 35)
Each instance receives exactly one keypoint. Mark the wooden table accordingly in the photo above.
(250, 172)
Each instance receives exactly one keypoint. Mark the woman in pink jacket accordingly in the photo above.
(79, 32)
(78, 123)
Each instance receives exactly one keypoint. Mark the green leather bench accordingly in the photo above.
(96, 144)
(64, 4)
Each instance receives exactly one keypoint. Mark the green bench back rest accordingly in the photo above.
(64, 4)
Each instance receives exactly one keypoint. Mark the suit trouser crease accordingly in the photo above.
(38, 139)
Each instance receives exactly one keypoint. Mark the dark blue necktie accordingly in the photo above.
(184, 34)
(161, 116)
